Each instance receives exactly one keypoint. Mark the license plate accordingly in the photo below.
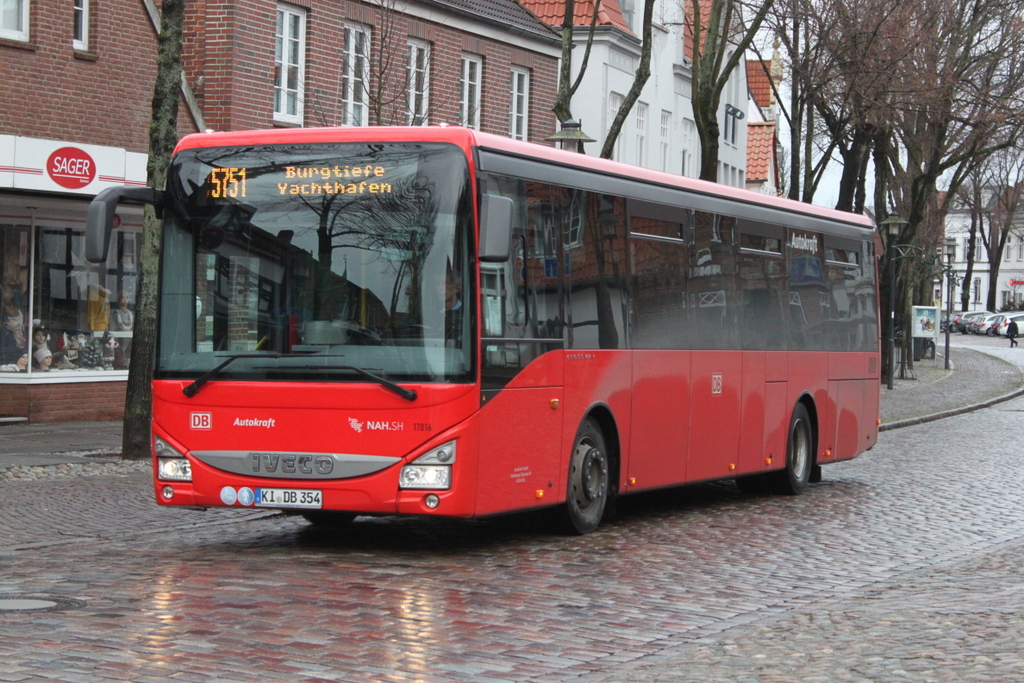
(289, 498)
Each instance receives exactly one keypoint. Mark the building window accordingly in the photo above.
(472, 75)
(419, 83)
(81, 26)
(641, 133)
(614, 104)
(289, 68)
(83, 319)
(14, 19)
(355, 76)
(666, 128)
(519, 111)
(689, 128)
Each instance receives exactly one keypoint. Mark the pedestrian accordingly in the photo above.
(1011, 332)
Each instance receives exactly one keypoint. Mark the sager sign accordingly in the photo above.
(71, 167)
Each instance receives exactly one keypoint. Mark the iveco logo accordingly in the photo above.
(290, 463)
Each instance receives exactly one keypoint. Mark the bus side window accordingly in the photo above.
(520, 299)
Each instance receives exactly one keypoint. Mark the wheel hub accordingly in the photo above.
(594, 473)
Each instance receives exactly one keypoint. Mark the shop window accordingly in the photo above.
(64, 313)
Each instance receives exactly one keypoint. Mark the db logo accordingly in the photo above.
(202, 420)
(716, 383)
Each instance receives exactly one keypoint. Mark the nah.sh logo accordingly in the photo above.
(202, 420)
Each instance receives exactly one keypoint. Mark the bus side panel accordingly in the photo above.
(857, 402)
(808, 372)
(776, 424)
(715, 416)
(752, 416)
(518, 459)
(848, 425)
(661, 418)
(596, 377)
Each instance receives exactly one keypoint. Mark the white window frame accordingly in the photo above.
(289, 16)
(19, 9)
(355, 75)
(666, 131)
(80, 36)
(470, 87)
(689, 128)
(641, 133)
(519, 107)
(614, 103)
(418, 84)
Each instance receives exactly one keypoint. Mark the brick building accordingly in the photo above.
(74, 119)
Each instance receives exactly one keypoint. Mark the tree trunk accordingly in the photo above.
(163, 136)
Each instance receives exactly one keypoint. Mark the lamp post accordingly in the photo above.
(894, 224)
(950, 279)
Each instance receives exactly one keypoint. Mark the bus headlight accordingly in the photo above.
(432, 470)
(170, 464)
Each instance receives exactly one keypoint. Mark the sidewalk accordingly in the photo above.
(985, 371)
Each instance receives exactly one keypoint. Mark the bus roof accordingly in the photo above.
(468, 139)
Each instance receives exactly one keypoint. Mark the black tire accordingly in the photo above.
(799, 454)
(328, 519)
(589, 485)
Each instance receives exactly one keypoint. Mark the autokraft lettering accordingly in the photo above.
(375, 425)
(805, 243)
(291, 463)
(243, 422)
(71, 167)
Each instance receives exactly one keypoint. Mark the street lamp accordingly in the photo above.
(950, 279)
(894, 225)
(571, 137)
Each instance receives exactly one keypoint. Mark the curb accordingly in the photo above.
(911, 421)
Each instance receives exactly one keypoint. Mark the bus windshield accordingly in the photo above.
(307, 261)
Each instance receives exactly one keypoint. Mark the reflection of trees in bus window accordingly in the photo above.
(658, 259)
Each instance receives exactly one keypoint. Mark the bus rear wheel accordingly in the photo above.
(799, 454)
(589, 483)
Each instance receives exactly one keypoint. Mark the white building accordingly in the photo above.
(660, 132)
(1010, 279)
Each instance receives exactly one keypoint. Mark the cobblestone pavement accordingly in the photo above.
(904, 564)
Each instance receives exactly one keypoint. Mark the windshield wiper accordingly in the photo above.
(407, 394)
(193, 389)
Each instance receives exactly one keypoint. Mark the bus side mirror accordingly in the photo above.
(99, 221)
(495, 229)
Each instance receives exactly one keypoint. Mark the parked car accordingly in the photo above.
(1005, 322)
(968, 320)
(985, 325)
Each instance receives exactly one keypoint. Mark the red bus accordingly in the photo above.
(435, 321)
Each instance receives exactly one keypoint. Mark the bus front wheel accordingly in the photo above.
(589, 483)
(799, 454)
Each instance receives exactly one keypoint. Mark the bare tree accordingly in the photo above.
(993, 195)
(163, 136)
(567, 87)
(643, 72)
(721, 37)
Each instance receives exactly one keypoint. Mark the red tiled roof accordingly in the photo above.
(705, 12)
(759, 81)
(760, 150)
(552, 12)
